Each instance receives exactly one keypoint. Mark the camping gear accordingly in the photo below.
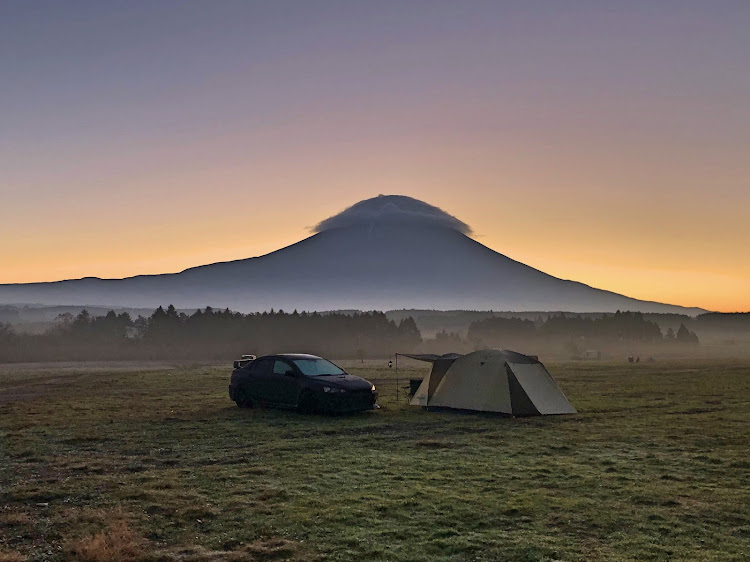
(490, 380)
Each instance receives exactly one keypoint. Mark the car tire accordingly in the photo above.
(307, 403)
(242, 397)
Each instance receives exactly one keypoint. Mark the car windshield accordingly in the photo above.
(317, 367)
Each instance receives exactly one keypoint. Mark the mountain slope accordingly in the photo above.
(373, 264)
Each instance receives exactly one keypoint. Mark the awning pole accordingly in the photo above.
(397, 379)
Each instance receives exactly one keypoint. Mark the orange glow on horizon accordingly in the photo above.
(173, 248)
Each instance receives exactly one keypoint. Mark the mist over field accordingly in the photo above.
(71, 333)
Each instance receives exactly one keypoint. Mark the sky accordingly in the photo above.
(606, 142)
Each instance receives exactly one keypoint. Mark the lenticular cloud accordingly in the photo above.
(392, 209)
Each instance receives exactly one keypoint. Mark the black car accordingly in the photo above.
(306, 382)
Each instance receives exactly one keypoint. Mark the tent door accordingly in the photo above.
(520, 402)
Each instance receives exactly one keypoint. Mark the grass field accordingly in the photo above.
(153, 462)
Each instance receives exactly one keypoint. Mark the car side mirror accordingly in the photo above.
(289, 373)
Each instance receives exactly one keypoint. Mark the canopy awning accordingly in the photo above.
(510, 356)
(431, 357)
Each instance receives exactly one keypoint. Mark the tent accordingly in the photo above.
(490, 380)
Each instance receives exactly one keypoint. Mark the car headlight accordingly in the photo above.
(333, 389)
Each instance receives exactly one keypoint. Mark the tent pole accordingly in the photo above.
(397, 378)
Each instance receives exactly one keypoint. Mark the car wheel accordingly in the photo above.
(242, 397)
(307, 404)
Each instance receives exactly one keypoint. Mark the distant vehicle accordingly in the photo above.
(244, 360)
(307, 383)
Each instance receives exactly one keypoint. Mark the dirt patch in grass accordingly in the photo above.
(436, 444)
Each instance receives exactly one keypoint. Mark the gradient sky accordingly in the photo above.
(602, 141)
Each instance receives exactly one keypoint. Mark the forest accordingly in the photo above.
(209, 334)
(621, 326)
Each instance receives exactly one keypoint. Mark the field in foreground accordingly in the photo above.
(153, 462)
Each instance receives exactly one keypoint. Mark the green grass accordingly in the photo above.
(156, 463)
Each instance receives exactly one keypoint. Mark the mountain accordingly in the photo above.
(389, 252)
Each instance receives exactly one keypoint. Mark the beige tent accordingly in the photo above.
(491, 380)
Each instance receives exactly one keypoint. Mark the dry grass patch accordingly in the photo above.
(277, 549)
(8, 556)
(258, 551)
(118, 542)
(198, 513)
(15, 519)
(271, 495)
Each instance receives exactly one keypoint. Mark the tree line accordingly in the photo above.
(210, 334)
(618, 327)
(224, 335)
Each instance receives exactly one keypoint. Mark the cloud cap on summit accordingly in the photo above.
(392, 209)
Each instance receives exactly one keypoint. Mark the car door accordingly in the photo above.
(285, 383)
(257, 382)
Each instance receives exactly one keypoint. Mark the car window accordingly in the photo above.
(317, 367)
(281, 367)
(261, 366)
